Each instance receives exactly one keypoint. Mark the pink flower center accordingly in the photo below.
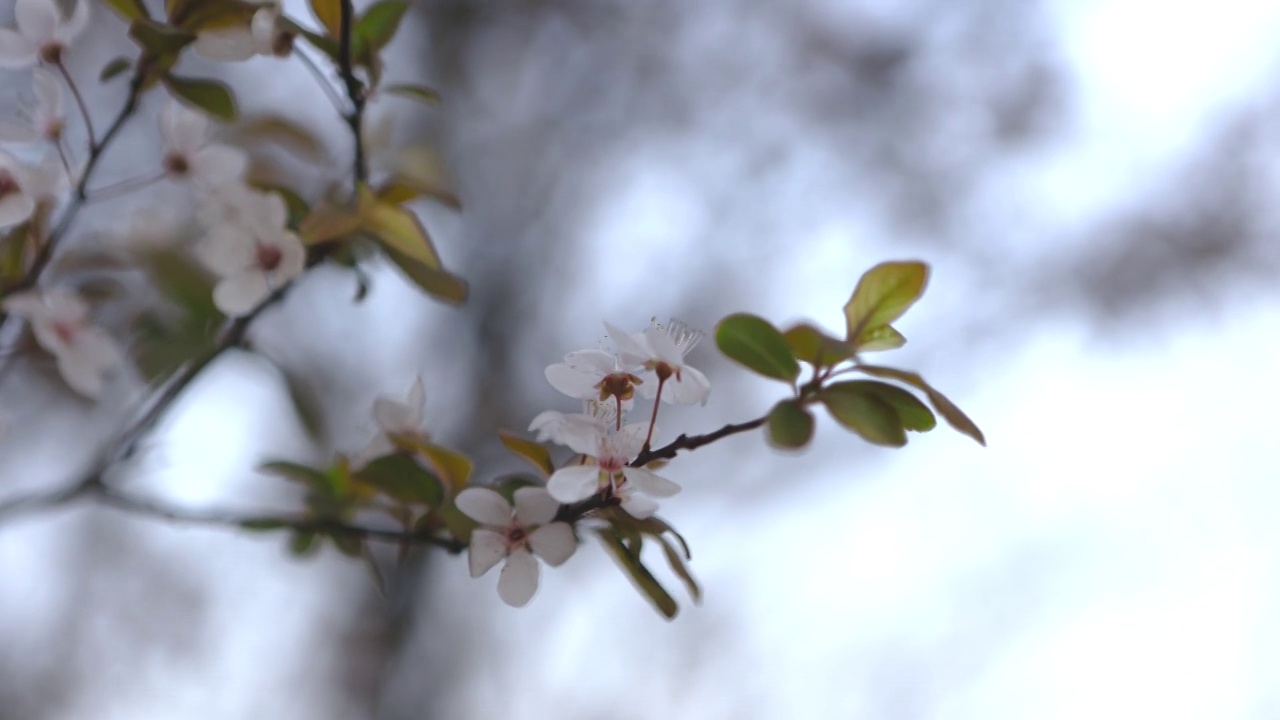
(8, 184)
(269, 257)
(517, 537)
(51, 53)
(176, 164)
(66, 331)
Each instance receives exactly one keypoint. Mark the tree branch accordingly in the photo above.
(355, 89)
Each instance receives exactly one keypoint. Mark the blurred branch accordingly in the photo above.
(355, 89)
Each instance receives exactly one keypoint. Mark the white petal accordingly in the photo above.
(650, 483)
(83, 365)
(484, 506)
(628, 441)
(519, 579)
(15, 207)
(27, 305)
(486, 549)
(553, 543)
(592, 361)
(36, 19)
(15, 50)
(639, 506)
(227, 250)
(15, 133)
(417, 400)
(293, 260)
(571, 382)
(78, 21)
(238, 295)
(185, 129)
(661, 344)
(48, 93)
(535, 506)
(629, 346)
(393, 416)
(263, 29)
(693, 387)
(214, 165)
(65, 306)
(574, 483)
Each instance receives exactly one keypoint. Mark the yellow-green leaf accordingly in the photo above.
(211, 96)
(377, 26)
(401, 477)
(453, 467)
(884, 337)
(947, 409)
(114, 68)
(437, 283)
(128, 9)
(326, 222)
(396, 228)
(419, 172)
(752, 342)
(812, 345)
(159, 39)
(883, 293)
(421, 93)
(679, 567)
(534, 452)
(640, 576)
(790, 425)
(329, 13)
(865, 414)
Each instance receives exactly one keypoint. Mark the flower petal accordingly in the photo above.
(519, 579)
(535, 506)
(630, 347)
(393, 416)
(37, 19)
(15, 50)
(15, 207)
(486, 549)
(485, 506)
(650, 483)
(226, 250)
(553, 543)
(639, 506)
(226, 44)
(592, 361)
(574, 483)
(692, 387)
(238, 295)
(183, 129)
(571, 382)
(76, 24)
(214, 165)
(28, 305)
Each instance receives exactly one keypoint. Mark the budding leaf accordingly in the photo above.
(812, 345)
(159, 39)
(629, 559)
(401, 477)
(790, 425)
(681, 570)
(377, 26)
(535, 453)
(211, 96)
(128, 9)
(913, 413)
(114, 68)
(864, 413)
(884, 337)
(947, 409)
(883, 294)
(421, 93)
(757, 345)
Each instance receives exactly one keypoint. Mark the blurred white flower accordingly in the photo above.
(606, 469)
(661, 351)
(262, 36)
(557, 426)
(17, 196)
(41, 120)
(254, 257)
(517, 535)
(190, 156)
(60, 321)
(42, 33)
(394, 418)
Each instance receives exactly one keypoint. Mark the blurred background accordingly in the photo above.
(1094, 186)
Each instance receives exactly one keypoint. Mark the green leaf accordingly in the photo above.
(790, 425)
(377, 27)
(211, 96)
(752, 342)
(401, 477)
(421, 93)
(303, 543)
(348, 544)
(812, 345)
(329, 13)
(263, 524)
(947, 409)
(644, 580)
(534, 452)
(913, 414)
(128, 9)
(884, 337)
(114, 68)
(396, 228)
(281, 132)
(435, 282)
(680, 569)
(167, 338)
(864, 413)
(326, 222)
(324, 44)
(159, 39)
(309, 476)
(883, 294)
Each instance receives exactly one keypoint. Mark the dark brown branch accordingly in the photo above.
(355, 89)
(693, 442)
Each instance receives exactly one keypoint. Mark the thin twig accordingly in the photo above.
(355, 90)
(84, 109)
(338, 103)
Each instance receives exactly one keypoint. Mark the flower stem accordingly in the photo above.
(84, 109)
(653, 419)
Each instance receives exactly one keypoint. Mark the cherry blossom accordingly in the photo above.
(254, 256)
(557, 426)
(605, 469)
(42, 35)
(262, 36)
(592, 373)
(661, 351)
(394, 418)
(43, 119)
(516, 534)
(17, 196)
(60, 321)
(190, 156)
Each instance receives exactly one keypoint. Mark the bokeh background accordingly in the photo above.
(1094, 186)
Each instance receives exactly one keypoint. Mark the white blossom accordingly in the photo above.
(42, 120)
(661, 351)
(43, 34)
(262, 36)
(17, 196)
(190, 156)
(516, 534)
(60, 321)
(394, 418)
(606, 469)
(254, 256)
(587, 374)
